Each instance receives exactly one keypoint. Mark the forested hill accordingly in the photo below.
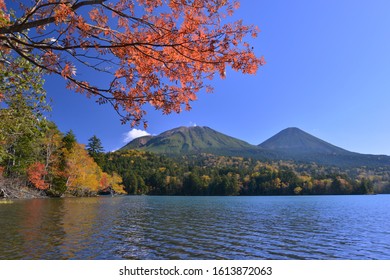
(289, 144)
(207, 174)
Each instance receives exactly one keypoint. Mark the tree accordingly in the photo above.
(53, 154)
(36, 173)
(83, 173)
(20, 132)
(85, 177)
(192, 184)
(14, 138)
(22, 108)
(95, 149)
(94, 146)
(116, 183)
(69, 140)
(152, 52)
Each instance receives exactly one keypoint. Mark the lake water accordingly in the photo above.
(148, 227)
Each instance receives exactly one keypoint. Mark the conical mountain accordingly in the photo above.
(297, 145)
(297, 141)
(194, 139)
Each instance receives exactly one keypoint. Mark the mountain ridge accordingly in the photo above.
(289, 144)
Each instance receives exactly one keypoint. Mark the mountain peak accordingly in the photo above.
(186, 128)
(295, 140)
(294, 129)
(192, 139)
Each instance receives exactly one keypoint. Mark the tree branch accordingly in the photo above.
(19, 27)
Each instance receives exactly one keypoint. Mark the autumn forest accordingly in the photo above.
(153, 53)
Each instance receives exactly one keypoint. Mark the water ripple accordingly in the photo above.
(326, 227)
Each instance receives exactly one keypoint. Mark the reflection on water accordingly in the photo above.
(311, 227)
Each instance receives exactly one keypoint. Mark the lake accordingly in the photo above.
(158, 227)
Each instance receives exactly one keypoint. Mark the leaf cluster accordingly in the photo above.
(152, 52)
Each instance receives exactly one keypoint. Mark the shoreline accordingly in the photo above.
(3, 200)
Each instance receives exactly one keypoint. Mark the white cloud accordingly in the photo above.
(134, 133)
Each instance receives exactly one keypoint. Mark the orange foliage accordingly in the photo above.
(152, 51)
(104, 183)
(36, 173)
(2, 5)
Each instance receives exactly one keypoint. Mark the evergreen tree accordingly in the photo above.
(95, 149)
(69, 140)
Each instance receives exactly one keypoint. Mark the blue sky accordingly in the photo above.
(327, 72)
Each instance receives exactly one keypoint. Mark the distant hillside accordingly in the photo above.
(289, 144)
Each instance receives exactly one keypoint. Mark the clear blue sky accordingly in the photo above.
(327, 72)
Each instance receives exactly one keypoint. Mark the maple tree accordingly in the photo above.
(150, 51)
(36, 173)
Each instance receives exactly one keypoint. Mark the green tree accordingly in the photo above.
(336, 186)
(232, 185)
(192, 184)
(131, 183)
(365, 187)
(22, 108)
(69, 140)
(95, 149)
(20, 130)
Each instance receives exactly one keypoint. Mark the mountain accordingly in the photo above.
(293, 140)
(297, 145)
(290, 144)
(196, 139)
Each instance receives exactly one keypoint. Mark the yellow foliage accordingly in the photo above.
(116, 183)
(297, 190)
(305, 178)
(205, 180)
(82, 170)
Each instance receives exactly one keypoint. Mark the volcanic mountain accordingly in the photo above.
(196, 139)
(292, 140)
(297, 145)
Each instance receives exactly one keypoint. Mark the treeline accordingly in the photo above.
(34, 154)
(152, 174)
